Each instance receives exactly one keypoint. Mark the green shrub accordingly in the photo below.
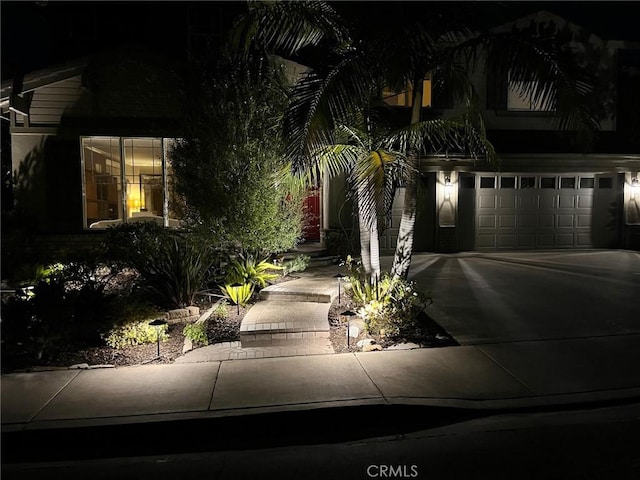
(297, 264)
(388, 305)
(220, 310)
(173, 266)
(240, 294)
(246, 269)
(196, 332)
(135, 333)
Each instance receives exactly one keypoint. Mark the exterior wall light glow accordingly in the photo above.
(635, 184)
(448, 186)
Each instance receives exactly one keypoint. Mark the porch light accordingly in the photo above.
(448, 186)
(635, 184)
(158, 323)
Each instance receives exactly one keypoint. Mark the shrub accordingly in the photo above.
(135, 333)
(197, 333)
(240, 294)
(297, 264)
(389, 305)
(245, 269)
(220, 310)
(174, 266)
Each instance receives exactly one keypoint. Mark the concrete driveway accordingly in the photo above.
(486, 298)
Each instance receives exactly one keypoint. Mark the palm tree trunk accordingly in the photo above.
(365, 234)
(404, 246)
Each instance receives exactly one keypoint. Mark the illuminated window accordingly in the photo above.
(403, 98)
(127, 179)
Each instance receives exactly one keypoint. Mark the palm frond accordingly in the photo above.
(287, 27)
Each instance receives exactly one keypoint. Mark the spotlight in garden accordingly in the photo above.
(348, 314)
(158, 323)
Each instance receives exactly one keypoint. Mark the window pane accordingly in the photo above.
(102, 181)
(487, 182)
(567, 182)
(527, 182)
(548, 182)
(586, 183)
(143, 175)
(508, 182)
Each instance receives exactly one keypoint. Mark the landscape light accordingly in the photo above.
(158, 323)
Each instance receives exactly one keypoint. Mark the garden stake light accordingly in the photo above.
(348, 314)
(158, 323)
(339, 277)
(236, 286)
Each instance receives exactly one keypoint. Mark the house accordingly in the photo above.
(90, 143)
(548, 192)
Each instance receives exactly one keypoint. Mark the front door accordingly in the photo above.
(311, 227)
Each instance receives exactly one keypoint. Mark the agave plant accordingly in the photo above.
(239, 293)
(247, 270)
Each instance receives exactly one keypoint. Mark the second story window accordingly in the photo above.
(520, 99)
(403, 98)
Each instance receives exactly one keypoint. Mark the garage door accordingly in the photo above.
(535, 210)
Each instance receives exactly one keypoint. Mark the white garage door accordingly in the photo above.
(534, 211)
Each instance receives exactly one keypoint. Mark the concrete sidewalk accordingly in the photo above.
(487, 377)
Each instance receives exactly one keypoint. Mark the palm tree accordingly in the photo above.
(345, 67)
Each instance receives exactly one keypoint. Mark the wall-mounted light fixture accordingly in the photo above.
(448, 186)
(635, 184)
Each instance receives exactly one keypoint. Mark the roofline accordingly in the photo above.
(41, 78)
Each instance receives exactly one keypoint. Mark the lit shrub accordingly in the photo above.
(197, 333)
(297, 264)
(135, 333)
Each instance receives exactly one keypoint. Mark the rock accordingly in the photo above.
(187, 346)
(366, 341)
(372, 348)
(78, 366)
(106, 365)
(404, 346)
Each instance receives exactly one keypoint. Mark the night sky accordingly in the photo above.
(40, 34)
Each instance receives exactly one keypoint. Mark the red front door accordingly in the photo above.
(311, 227)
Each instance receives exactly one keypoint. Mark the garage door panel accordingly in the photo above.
(526, 240)
(546, 240)
(567, 201)
(507, 221)
(546, 221)
(486, 221)
(507, 201)
(585, 201)
(487, 201)
(507, 241)
(583, 240)
(583, 220)
(527, 201)
(487, 241)
(565, 240)
(565, 221)
(526, 221)
(548, 200)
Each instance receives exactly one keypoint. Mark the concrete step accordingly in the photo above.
(305, 289)
(279, 323)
